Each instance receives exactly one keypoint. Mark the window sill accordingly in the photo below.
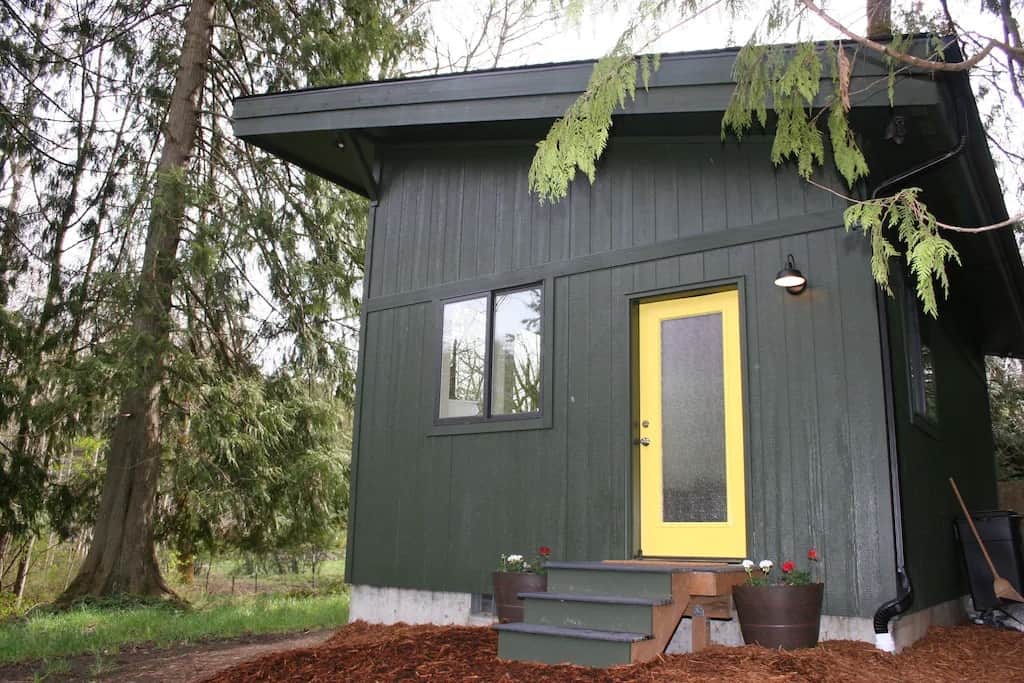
(490, 426)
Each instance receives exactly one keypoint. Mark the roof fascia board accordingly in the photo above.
(676, 69)
(656, 100)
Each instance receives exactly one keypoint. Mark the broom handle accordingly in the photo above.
(974, 529)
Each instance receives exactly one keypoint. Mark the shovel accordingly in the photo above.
(1001, 586)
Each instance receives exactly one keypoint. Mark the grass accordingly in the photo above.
(101, 631)
(330, 574)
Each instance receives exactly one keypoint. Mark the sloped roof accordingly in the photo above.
(335, 131)
(305, 126)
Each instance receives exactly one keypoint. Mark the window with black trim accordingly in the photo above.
(921, 360)
(491, 355)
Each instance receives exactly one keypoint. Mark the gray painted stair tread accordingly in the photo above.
(582, 633)
(602, 599)
(645, 567)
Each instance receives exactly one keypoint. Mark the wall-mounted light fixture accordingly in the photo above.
(791, 278)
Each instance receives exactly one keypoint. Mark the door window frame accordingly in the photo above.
(631, 301)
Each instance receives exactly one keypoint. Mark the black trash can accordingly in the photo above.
(1000, 530)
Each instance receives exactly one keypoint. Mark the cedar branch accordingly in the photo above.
(928, 64)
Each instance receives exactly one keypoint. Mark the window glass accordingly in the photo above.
(693, 418)
(926, 370)
(921, 359)
(463, 358)
(515, 359)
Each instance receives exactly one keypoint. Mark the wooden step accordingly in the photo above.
(597, 578)
(656, 566)
(596, 612)
(606, 599)
(559, 645)
(617, 612)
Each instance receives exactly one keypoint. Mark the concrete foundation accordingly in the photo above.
(912, 627)
(383, 605)
(905, 631)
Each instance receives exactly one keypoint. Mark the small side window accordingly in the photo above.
(920, 360)
(491, 356)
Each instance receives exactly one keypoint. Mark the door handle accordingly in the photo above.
(645, 441)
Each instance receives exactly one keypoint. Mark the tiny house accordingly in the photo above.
(619, 377)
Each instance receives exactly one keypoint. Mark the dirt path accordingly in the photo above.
(165, 665)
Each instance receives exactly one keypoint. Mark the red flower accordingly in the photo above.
(812, 555)
(544, 551)
(788, 566)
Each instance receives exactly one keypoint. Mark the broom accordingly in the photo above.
(1001, 586)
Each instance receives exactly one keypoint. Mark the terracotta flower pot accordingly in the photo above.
(508, 586)
(786, 617)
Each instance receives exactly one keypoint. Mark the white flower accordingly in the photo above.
(515, 558)
(765, 565)
(748, 565)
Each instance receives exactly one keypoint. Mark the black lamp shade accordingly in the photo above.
(791, 278)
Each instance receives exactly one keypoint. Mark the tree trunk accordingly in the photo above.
(22, 579)
(5, 543)
(9, 259)
(879, 13)
(122, 556)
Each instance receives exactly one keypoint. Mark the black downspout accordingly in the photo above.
(905, 589)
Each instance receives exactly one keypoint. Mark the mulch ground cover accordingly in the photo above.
(363, 652)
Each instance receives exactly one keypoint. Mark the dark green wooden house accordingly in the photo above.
(618, 376)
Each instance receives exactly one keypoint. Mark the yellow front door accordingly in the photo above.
(692, 501)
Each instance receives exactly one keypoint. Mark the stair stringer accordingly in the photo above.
(664, 621)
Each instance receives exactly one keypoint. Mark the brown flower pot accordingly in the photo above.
(786, 617)
(508, 586)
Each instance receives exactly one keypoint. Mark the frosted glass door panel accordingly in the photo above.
(693, 420)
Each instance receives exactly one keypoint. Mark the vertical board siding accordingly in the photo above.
(435, 512)
(488, 220)
(452, 219)
(959, 445)
(505, 219)
(834, 462)
(469, 227)
(436, 242)
(580, 494)
(472, 202)
(769, 357)
(803, 407)
(872, 512)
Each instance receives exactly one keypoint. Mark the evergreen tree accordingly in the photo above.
(122, 336)
(1006, 403)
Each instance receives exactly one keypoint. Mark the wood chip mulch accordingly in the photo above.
(363, 652)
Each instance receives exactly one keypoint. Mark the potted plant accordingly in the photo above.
(780, 614)
(514, 576)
